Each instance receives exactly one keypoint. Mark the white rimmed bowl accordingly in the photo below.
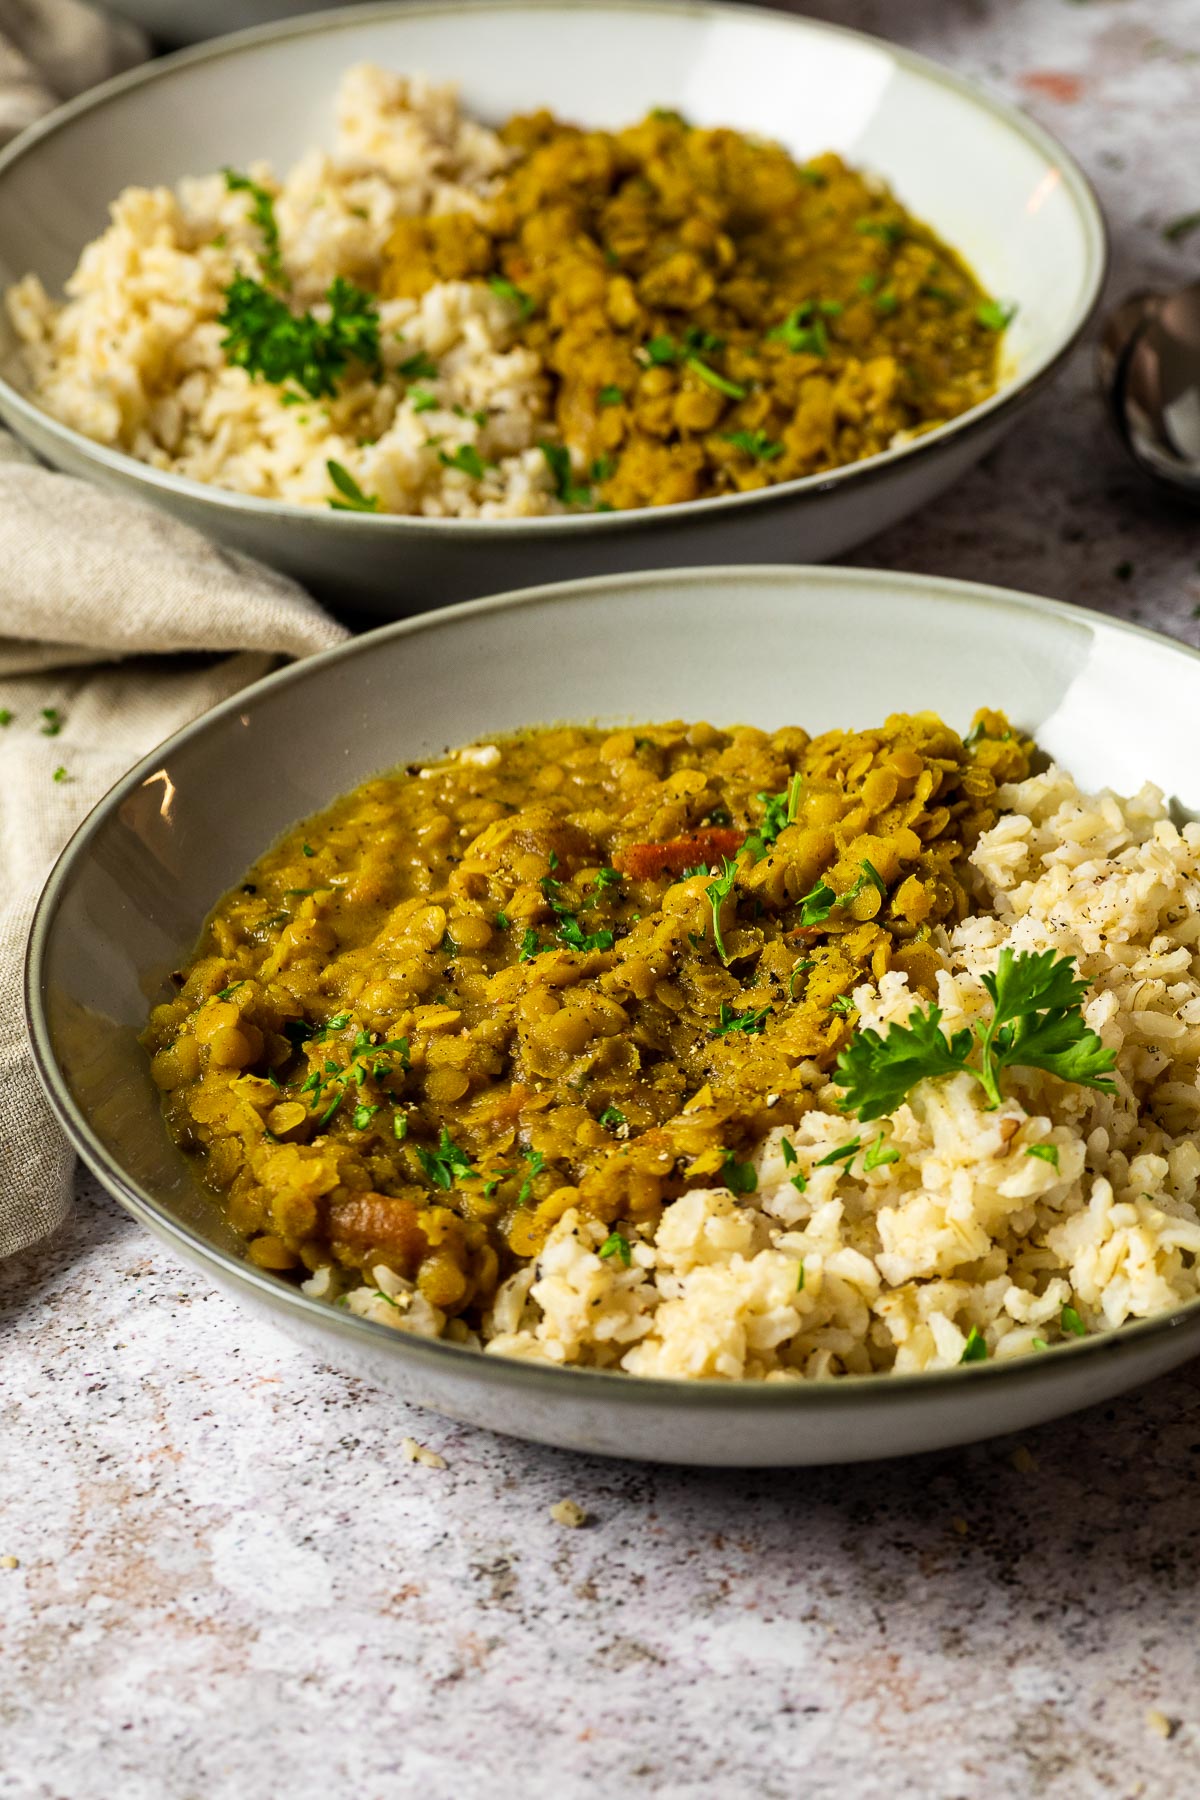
(989, 180)
(819, 647)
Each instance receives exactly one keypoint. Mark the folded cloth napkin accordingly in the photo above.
(104, 607)
(51, 50)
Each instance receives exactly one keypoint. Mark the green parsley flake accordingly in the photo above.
(558, 461)
(802, 332)
(612, 1116)
(1047, 1152)
(352, 497)
(845, 1153)
(994, 315)
(525, 303)
(466, 459)
(267, 339)
(616, 1245)
(420, 367)
(443, 1164)
(610, 396)
(60, 774)
(6, 717)
(879, 1152)
(976, 1349)
(755, 444)
(262, 212)
(729, 1021)
(1072, 1322)
(537, 1163)
(52, 721)
(716, 892)
(740, 1177)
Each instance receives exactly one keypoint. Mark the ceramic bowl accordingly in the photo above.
(821, 647)
(991, 182)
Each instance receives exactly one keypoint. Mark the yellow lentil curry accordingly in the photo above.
(713, 315)
(575, 968)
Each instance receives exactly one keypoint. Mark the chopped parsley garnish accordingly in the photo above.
(537, 1163)
(507, 290)
(449, 947)
(308, 850)
(1182, 227)
(1047, 1152)
(529, 946)
(845, 1153)
(1037, 1023)
(886, 303)
(612, 1116)
(798, 1180)
(502, 921)
(262, 212)
(352, 497)
(891, 231)
(976, 1349)
(752, 1019)
(399, 1126)
(60, 774)
(422, 400)
(566, 488)
(609, 396)
(225, 992)
(665, 350)
(802, 332)
(267, 339)
(843, 1005)
(717, 891)
(443, 1164)
(6, 717)
(817, 904)
(879, 1152)
(574, 937)
(755, 444)
(363, 1114)
(615, 1245)
(739, 1176)
(712, 379)
(420, 367)
(781, 810)
(800, 1278)
(466, 459)
(994, 315)
(52, 721)
(1072, 1322)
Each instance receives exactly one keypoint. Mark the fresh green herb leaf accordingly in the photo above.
(6, 717)
(717, 891)
(994, 315)
(53, 721)
(363, 1115)
(845, 1153)
(262, 212)
(530, 946)
(1072, 1322)
(525, 303)
(740, 1177)
(443, 1164)
(1036, 1023)
(225, 992)
(537, 1163)
(399, 1126)
(422, 400)
(1047, 1152)
(610, 396)
(60, 774)
(801, 332)
(799, 968)
(1039, 1344)
(353, 499)
(308, 850)
(788, 1150)
(616, 1245)
(612, 1116)
(712, 379)
(800, 1278)
(420, 367)
(466, 459)
(502, 920)
(1181, 228)
(558, 461)
(886, 303)
(843, 1005)
(867, 284)
(817, 904)
(976, 1349)
(267, 339)
(749, 1021)
(755, 444)
(889, 231)
(879, 1152)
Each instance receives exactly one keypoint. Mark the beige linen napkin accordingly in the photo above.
(98, 598)
(51, 50)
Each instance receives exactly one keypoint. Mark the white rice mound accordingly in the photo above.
(133, 356)
(966, 1229)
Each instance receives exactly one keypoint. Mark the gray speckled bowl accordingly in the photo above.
(822, 647)
(989, 180)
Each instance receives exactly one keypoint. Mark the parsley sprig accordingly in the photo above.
(444, 1163)
(262, 212)
(1036, 1023)
(729, 1020)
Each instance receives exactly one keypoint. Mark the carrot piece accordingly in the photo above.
(707, 846)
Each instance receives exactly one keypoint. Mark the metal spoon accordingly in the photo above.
(1149, 366)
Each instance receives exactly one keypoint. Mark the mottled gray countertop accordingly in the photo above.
(230, 1581)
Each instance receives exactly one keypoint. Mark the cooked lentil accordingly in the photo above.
(576, 968)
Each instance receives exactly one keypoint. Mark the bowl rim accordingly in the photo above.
(19, 410)
(556, 1383)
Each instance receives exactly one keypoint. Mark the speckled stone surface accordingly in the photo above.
(231, 1583)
